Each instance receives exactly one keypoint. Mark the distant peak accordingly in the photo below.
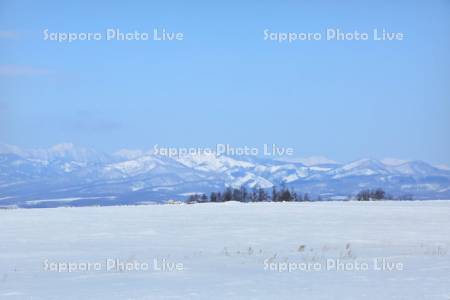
(129, 153)
(311, 160)
(393, 161)
(62, 147)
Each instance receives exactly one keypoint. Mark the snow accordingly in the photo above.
(290, 178)
(12, 149)
(362, 167)
(310, 161)
(211, 162)
(252, 181)
(190, 193)
(133, 167)
(362, 163)
(426, 186)
(137, 186)
(443, 167)
(69, 199)
(393, 161)
(129, 153)
(64, 151)
(225, 248)
(320, 169)
(163, 188)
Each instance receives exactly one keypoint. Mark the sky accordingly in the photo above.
(223, 83)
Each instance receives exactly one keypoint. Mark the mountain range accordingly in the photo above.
(66, 175)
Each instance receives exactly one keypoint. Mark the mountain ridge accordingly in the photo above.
(35, 178)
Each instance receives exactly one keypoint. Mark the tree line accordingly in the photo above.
(257, 194)
(282, 194)
(379, 194)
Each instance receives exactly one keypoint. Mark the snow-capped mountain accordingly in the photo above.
(68, 175)
(64, 151)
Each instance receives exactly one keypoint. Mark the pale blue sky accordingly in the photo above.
(224, 83)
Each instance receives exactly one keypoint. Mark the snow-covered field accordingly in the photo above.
(397, 250)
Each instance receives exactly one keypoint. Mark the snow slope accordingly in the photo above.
(224, 247)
